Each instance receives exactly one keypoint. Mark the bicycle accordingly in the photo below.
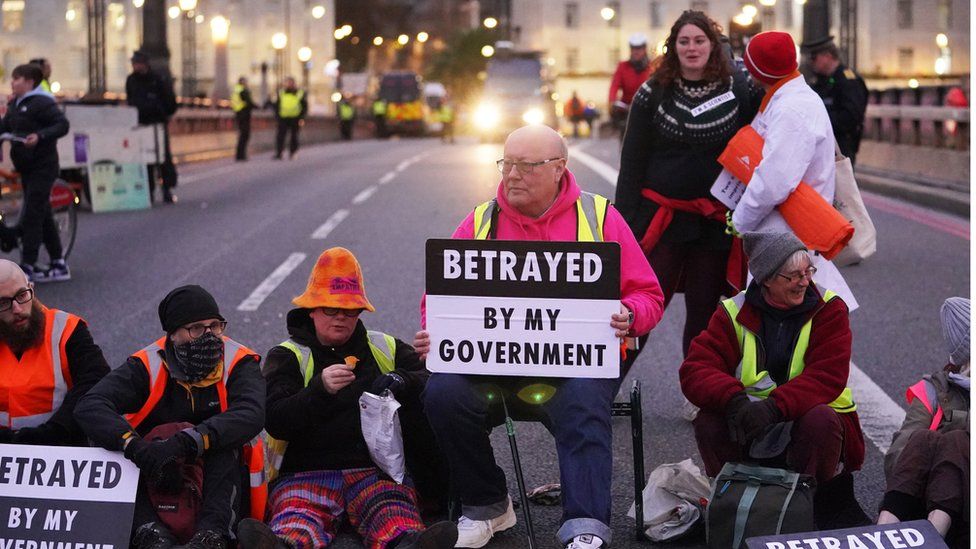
(64, 205)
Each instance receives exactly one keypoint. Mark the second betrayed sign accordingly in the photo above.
(523, 308)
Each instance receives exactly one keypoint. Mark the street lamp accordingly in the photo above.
(943, 63)
(490, 22)
(378, 41)
(219, 30)
(942, 40)
(305, 56)
(487, 51)
(607, 13)
(422, 37)
(138, 3)
(403, 39)
(318, 12)
(278, 41)
(188, 31)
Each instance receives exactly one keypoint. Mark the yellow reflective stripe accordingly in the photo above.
(482, 222)
(383, 358)
(236, 103)
(290, 104)
(306, 363)
(602, 205)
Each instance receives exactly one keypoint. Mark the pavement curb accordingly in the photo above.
(947, 200)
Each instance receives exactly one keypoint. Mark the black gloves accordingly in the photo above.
(392, 381)
(162, 461)
(754, 418)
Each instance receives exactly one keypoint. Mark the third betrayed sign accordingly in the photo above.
(523, 308)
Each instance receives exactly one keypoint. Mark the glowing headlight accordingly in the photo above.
(533, 116)
(486, 116)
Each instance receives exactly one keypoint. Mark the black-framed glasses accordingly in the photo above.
(197, 330)
(796, 276)
(348, 313)
(22, 297)
(524, 168)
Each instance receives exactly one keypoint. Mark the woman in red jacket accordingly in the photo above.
(769, 374)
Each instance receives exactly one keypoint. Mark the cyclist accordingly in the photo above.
(627, 79)
(37, 123)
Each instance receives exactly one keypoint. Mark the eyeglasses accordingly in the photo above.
(348, 313)
(22, 297)
(197, 330)
(796, 276)
(524, 168)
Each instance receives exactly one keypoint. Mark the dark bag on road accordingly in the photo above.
(178, 509)
(748, 500)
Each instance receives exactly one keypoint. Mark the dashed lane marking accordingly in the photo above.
(880, 415)
(264, 289)
(387, 178)
(330, 224)
(364, 194)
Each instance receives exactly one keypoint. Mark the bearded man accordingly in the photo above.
(48, 361)
(193, 398)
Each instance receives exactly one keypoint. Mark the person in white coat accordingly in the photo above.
(799, 146)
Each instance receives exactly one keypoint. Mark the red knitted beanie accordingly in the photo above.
(771, 56)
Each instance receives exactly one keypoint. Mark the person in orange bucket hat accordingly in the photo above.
(315, 380)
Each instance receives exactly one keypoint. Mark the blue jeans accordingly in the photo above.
(577, 415)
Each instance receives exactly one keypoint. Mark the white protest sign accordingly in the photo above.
(728, 190)
(523, 308)
(61, 497)
(900, 535)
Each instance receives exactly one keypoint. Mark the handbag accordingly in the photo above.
(847, 201)
(749, 501)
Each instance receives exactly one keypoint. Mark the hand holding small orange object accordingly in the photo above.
(351, 361)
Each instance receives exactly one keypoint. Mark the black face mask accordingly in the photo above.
(199, 357)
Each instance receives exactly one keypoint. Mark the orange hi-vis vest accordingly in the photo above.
(252, 453)
(925, 392)
(33, 387)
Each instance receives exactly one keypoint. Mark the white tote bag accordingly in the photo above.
(847, 201)
(381, 429)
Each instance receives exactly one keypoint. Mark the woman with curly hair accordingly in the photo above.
(680, 121)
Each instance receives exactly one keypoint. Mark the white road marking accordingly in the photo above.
(387, 178)
(269, 284)
(405, 164)
(364, 194)
(602, 169)
(330, 224)
(880, 415)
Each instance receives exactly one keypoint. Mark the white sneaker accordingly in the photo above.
(688, 410)
(477, 533)
(585, 541)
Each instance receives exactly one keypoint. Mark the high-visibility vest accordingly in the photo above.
(252, 453)
(346, 112)
(445, 114)
(33, 387)
(925, 391)
(290, 103)
(759, 384)
(275, 448)
(237, 102)
(379, 107)
(591, 211)
(46, 86)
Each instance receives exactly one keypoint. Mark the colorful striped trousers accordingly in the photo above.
(307, 508)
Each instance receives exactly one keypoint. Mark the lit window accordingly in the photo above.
(572, 59)
(572, 15)
(904, 14)
(656, 20)
(13, 15)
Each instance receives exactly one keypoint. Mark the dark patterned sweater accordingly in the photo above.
(673, 150)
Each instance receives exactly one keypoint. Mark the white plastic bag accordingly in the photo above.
(381, 429)
(672, 499)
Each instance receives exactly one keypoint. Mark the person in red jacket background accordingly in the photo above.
(770, 373)
(629, 76)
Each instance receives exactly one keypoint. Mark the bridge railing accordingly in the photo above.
(926, 126)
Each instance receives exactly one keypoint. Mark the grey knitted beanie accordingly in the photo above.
(768, 251)
(955, 329)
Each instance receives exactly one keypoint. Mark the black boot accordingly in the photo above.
(835, 506)
(206, 539)
(254, 534)
(152, 536)
(440, 535)
(8, 237)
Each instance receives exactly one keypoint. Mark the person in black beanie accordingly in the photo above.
(209, 384)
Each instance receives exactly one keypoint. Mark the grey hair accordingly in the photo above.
(795, 262)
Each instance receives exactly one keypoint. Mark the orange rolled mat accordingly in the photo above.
(814, 220)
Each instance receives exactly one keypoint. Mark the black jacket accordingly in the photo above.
(152, 95)
(35, 114)
(846, 97)
(323, 431)
(87, 366)
(126, 389)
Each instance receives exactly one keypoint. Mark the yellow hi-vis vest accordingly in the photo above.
(346, 112)
(759, 384)
(290, 103)
(275, 449)
(445, 114)
(237, 102)
(46, 86)
(591, 211)
(379, 107)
